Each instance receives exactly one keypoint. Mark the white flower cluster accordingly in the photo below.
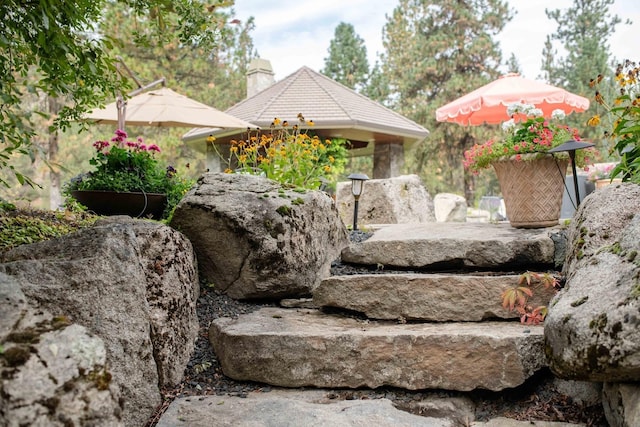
(528, 110)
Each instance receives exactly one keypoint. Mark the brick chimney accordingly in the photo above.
(259, 76)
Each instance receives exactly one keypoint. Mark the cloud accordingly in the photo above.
(293, 33)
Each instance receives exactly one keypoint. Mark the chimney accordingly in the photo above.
(259, 76)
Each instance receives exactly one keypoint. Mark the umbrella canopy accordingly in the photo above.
(164, 108)
(488, 104)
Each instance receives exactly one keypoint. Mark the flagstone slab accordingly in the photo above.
(455, 245)
(290, 408)
(425, 297)
(303, 347)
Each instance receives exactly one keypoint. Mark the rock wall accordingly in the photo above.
(133, 284)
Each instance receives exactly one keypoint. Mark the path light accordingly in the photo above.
(357, 186)
(571, 146)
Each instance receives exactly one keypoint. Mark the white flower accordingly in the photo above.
(535, 112)
(521, 108)
(509, 125)
(558, 114)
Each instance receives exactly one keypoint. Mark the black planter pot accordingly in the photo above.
(134, 204)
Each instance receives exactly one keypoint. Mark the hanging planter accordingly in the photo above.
(532, 190)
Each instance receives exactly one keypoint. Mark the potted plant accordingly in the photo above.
(531, 179)
(128, 180)
(601, 174)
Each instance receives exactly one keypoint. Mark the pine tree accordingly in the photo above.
(435, 52)
(347, 61)
(583, 31)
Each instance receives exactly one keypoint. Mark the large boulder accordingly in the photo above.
(134, 284)
(52, 372)
(256, 239)
(450, 207)
(592, 330)
(399, 200)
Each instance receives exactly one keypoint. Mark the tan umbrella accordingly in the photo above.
(488, 104)
(164, 108)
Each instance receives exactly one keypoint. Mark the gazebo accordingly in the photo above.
(337, 111)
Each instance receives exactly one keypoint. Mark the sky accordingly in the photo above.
(296, 33)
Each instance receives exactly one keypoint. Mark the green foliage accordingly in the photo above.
(56, 48)
(437, 51)
(583, 31)
(289, 155)
(23, 227)
(347, 61)
(131, 167)
(622, 128)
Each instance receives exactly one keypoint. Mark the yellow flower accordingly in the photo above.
(276, 122)
(327, 168)
(310, 123)
(594, 121)
(227, 170)
(331, 159)
(211, 138)
(233, 149)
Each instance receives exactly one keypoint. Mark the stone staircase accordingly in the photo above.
(427, 316)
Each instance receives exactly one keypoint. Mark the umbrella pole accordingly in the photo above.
(121, 106)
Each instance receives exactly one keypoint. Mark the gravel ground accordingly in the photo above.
(537, 400)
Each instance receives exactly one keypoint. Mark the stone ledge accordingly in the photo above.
(297, 348)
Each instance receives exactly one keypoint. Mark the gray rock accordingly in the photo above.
(132, 283)
(461, 410)
(399, 200)
(289, 409)
(448, 245)
(592, 328)
(509, 422)
(450, 207)
(256, 239)
(426, 297)
(621, 404)
(296, 348)
(584, 392)
(52, 373)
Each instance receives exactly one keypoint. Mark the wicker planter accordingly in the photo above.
(607, 181)
(532, 190)
(134, 204)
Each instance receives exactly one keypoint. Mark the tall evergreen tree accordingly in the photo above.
(513, 66)
(347, 61)
(583, 31)
(435, 52)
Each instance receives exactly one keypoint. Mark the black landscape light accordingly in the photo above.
(571, 147)
(357, 186)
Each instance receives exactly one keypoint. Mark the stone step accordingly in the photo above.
(424, 297)
(305, 347)
(291, 408)
(458, 245)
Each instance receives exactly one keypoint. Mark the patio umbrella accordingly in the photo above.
(164, 108)
(488, 104)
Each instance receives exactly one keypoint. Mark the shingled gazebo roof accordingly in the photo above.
(337, 111)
